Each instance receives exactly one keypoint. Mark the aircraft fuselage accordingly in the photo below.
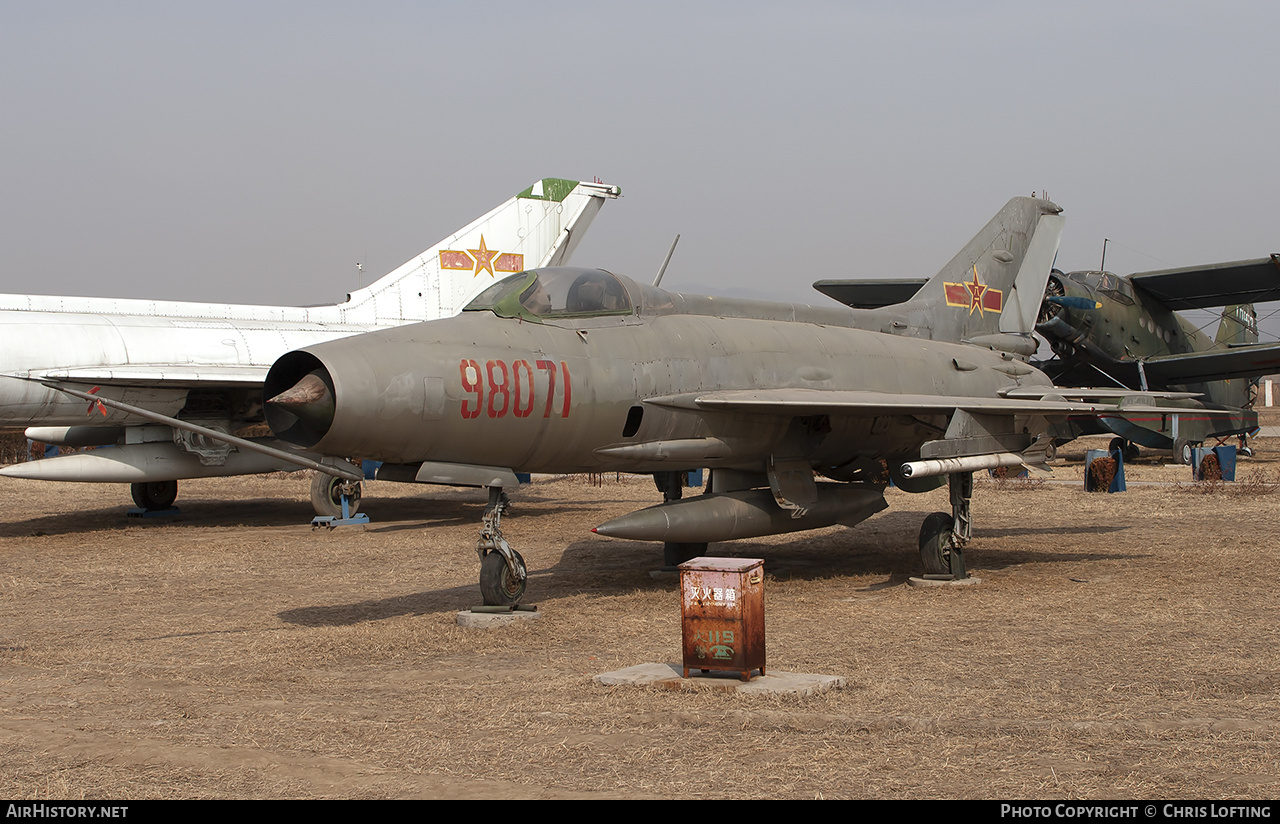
(141, 357)
(570, 395)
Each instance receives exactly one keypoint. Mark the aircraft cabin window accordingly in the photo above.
(1118, 289)
(1091, 279)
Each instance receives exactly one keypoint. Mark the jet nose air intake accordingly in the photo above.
(309, 399)
(300, 402)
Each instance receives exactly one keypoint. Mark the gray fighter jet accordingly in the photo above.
(574, 370)
(803, 414)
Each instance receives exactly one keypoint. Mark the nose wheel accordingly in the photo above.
(326, 496)
(503, 575)
(502, 583)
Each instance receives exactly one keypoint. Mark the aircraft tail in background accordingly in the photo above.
(1239, 325)
(540, 226)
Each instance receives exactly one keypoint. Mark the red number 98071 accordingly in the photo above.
(511, 387)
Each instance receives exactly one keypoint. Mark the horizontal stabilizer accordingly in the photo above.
(870, 294)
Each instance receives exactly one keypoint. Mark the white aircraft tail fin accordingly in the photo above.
(540, 226)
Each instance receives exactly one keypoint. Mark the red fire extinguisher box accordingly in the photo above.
(722, 612)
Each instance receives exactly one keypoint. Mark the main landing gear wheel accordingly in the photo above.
(498, 584)
(326, 496)
(1182, 451)
(937, 540)
(154, 495)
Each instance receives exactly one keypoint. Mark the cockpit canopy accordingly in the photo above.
(1118, 289)
(555, 293)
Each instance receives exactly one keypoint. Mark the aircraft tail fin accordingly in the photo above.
(1239, 325)
(991, 291)
(540, 226)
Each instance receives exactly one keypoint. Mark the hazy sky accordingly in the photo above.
(255, 152)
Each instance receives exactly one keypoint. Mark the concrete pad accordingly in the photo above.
(467, 618)
(930, 582)
(671, 677)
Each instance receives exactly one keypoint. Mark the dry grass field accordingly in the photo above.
(1118, 646)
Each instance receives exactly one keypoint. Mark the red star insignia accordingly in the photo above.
(976, 288)
(484, 258)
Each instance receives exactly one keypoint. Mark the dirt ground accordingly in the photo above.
(1118, 646)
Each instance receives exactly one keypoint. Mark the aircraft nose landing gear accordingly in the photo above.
(503, 575)
(335, 501)
(327, 493)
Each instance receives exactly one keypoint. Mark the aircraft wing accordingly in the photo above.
(1245, 361)
(857, 402)
(1219, 364)
(1217, 284)
(870, 294)
(1034, 400)
(166, 375)
(1090, 393)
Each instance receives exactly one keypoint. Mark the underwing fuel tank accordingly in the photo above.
(141, 463)
(75, 435)
(751, 513)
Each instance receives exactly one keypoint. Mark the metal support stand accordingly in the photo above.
(961, 488)
(346, 519)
